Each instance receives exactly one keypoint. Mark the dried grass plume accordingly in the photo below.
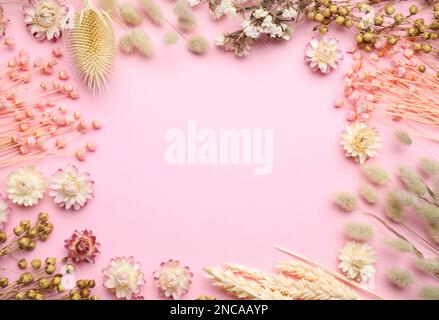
(375, 174)
(359, 231)
(400, 277)
(368, 193)
(429, 166)
(125, 44)
(153, 11)
(130, 14)
(142, 42)
(403, 137)
(399, 245)
(197, 44)
(345, 201)
(186, 19)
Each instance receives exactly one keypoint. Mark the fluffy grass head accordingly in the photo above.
(142, 42)
(407, 198)
(153, 11)
(109, 6)
(359, 231)
(125, 44)
(393, 207)
(346, 201)
(433, 231)
(429, 166)
(375, 174)
(197, 44)
(368, 193)
(400, 245)
(400, 277)
(91, 43)
(429, 293)
(171, 38)
(403, 137)
(429, 212)
(130, 14)
(412, 181)
(186, 19)
(427, 265)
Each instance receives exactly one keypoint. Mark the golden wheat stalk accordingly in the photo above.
(310, 283)
(91, 43)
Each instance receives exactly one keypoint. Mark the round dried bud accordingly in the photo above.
(44, 283)
(23, 242)
(91, 283)
(60, 289)
(94, 298)
(398, 18)
(85, 293)
(379, 20)
(391, 39)
(31, 294)
(311, 15)
(36, 263)
(25, 224)
(425, 35)
(56, 281)
(323, 29)
(426, 48)
(39, 296)
(368, 37)
(50, 269)
(32, 245)
(340, 20)
(359, 38)
(74, 295)
(22, 264)
(3, 236)
(326, 12)
(319, 17)
(33, 232)
(417, 46)
(43, 216)
(82, 284)
(360, 25)
(413, 10)
(333, 8)
(18, 230)
(343, 11)
(20, 295)
(43, 236)
(50, 260)
(389, 10)
(48, 228)
(4, 282)
(412, 32)
(422, 68)
(349, 22)
(26, 278)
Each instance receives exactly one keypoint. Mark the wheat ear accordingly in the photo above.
(91, 43)
(311, 285)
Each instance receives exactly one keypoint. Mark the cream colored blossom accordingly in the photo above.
(357, 261)
(124, 277)
(323, 55)
(71, 189)
(26, 186)
(360, 141)
(172, 279)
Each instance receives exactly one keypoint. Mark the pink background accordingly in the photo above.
(207, 215)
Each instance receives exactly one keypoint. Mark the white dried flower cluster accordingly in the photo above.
(263, 23)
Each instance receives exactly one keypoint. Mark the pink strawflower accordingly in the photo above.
(82, 246)
(172, 279)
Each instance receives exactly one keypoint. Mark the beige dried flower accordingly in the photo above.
(125, 44)
(368, 193)
(359, 231)
(433, 230)
(186, 19)
(393, 207)
(197, 44)
(429, 293)
(142, 42)
(400, 277)
(109, 6)
(427, 265)
(429, 166)
(403, 137)
(26, 186)
(375, 174)
(412, 181)
(130, 14)
(357, 261)
(399, 245)
(153, 11)
(171, 38)
(360, 141)
(408, 199)
(345, 201)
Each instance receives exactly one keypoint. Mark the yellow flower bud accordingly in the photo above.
(36, 263)
(22, 264)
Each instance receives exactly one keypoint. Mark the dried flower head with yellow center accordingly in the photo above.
(360, 141)
(26, 186)
(172, 279)
(323, 55)
(45, 19)
(357, 260)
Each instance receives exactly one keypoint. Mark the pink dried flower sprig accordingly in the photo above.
(124, 277)
(34, 122)
(70, 188)
(82, 246)
(172, 279)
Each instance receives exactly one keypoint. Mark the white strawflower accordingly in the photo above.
(26, 186)
(360, 141)
(357, 260)
(172, 279)
(323, 54)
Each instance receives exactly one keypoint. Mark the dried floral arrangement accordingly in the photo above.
(398, 86)
(40, 280)
(418, 197)
(375, 22)
(35, 123)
